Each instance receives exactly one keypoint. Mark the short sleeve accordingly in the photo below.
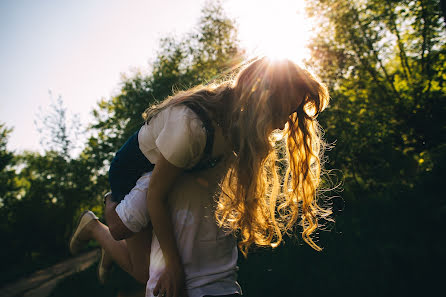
(182, 139)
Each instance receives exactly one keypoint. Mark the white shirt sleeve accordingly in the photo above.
(182, 138)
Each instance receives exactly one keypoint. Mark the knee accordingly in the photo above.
(117, 228)
(116, 232)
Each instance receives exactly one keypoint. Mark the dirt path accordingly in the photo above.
(42, 282)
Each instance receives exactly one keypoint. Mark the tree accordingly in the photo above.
(197, 58)
(58, 133)
(8, 184)
(36, 219)
(384, 62)
(57, 185)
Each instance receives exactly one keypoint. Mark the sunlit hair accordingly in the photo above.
(273, 178)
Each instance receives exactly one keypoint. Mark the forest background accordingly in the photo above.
(384, 63)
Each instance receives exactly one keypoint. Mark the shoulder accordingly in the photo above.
(179, 112)
(182, 136)
(185, 117)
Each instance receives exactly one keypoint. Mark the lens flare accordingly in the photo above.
(277, 29)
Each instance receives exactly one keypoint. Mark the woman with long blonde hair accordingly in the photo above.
(240, 157)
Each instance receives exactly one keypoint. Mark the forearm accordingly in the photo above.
(163, 178)
(163, 228)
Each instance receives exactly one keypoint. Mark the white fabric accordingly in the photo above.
(209, 255)
(177, 133)
(133, 208)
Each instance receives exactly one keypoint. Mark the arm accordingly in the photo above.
(117, 228)
(163, 177)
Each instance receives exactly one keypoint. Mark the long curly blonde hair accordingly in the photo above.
(273, 176)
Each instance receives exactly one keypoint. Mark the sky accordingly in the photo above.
(79, 49)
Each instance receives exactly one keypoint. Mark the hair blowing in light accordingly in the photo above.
(270, 185)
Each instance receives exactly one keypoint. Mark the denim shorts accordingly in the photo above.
(128, 165)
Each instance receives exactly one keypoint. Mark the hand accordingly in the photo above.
(171, 283)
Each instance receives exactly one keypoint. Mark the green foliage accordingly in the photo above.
(384, 62)
(51, 189)
(42, 194)
(8, 183)
(59, 133)
(197, 58)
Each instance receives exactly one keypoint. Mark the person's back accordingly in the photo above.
(209, 254)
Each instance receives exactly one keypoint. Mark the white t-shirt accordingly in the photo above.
(209, 255)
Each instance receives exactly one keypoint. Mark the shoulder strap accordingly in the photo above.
(206, 161)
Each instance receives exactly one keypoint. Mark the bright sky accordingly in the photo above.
(78, 49)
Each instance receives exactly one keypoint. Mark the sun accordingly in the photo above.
(275, 28)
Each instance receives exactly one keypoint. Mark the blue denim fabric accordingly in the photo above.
(126, 168)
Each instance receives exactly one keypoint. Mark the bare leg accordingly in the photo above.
(139, 247)
(132, 254)
(138, 244)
